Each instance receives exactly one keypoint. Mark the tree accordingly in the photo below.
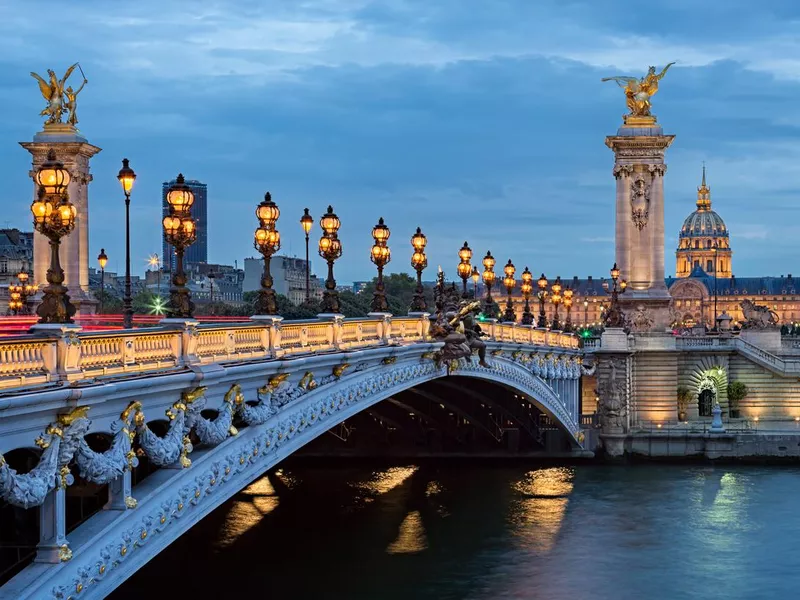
(109, 304)
(400, 289)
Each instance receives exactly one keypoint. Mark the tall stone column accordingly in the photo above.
(639, 148)
(75, 152)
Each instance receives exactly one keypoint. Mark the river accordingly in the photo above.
(456, 532)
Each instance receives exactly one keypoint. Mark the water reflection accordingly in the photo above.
(479, 533)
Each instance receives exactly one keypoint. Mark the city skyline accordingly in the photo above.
(443, 124)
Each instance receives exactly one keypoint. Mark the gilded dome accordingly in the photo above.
(703, 222)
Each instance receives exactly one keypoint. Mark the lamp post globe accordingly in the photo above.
(330, 248)
(54, 217)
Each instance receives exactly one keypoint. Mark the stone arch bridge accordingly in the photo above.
(209, 409)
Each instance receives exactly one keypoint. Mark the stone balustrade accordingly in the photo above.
(69, 355)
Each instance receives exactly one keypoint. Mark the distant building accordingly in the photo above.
(16, 253)
(220, 283)
(288, 275)
(197, 252)
(359, 286)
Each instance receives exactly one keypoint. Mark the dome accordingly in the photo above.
(703, 222)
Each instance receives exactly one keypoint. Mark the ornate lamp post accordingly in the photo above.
(475, 278)
(180, 231)
(614, 317)
(380, 255)
(419, 261)
(555, 298)
(488, 280)
(102, 260)
(509, 270)
(464, 267)
(24, 290)
(585, 313)
(527, 288)
(307, 221)
(568, 293)
(714, 252)
(542, 283)
(14, 298)
(54, 217)
(267, 242)
(330, 248)
(126, 177)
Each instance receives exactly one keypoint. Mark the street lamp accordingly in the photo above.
(307, 221)
(614, 316)
(475, 278)
(555, 298)
(488, 280)
(180, 230)
(14, 298)
(126, 177)
(155, 263)
(54, 217)
(25, 290)
(464, 267)
(267, 242)
(527, 288)
(542, 283)
(585, 313)
(380, 255)
(102, 260)
(330, 248)
(419, 261)
(509, 270)
(714, 252)
(568, 293)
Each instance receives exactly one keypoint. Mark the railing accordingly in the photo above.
(69, 354)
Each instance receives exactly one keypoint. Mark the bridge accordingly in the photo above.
(175, 419)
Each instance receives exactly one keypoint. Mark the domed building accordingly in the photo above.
(703, 242)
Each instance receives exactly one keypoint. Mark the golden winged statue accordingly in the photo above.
(54, 93)
(639, 91)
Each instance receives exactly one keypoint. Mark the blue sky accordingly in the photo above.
(477, 120)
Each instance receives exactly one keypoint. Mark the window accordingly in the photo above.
(708, 243)
(696, 244)
(709, 266)
(696, 263)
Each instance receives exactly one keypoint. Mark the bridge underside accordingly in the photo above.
(389, 406)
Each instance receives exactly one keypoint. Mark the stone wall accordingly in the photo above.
(654, 388)
(770, 394)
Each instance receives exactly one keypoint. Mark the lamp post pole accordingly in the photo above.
(555, 298)
(126, 178)
(542, 283)
(180, 230)
(488, 280)
(267, 242)
(330, 248)
(102, 260)
(54, 217)
(307, 222)
(475, 277)
(714, 251)
(419, 261)
(510, 315)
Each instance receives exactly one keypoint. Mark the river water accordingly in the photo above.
(456, 532)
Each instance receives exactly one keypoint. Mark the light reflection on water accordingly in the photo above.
(459, 533)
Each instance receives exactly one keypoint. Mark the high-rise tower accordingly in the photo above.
(197, 252)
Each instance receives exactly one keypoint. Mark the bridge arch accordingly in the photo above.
(170, 501)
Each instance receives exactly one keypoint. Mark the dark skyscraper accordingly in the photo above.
(197, 252)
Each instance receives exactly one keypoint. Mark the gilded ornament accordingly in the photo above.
(79, 588)
(102, 569)
(234, 396)
(123, 551)
(64, 553)
(180, 505)
(241, 460)
(339, 370)
(233, 431)
(64, 474)
(59, 99)
(307, 382)
(276, 380)
(133, 409)
(389, 360)
(72, 416)
(197, 493)
(163, 519)
(131, 502)
(638, 93)
(192, 395)
(213, 481)
(143, 535)
(228, 469)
